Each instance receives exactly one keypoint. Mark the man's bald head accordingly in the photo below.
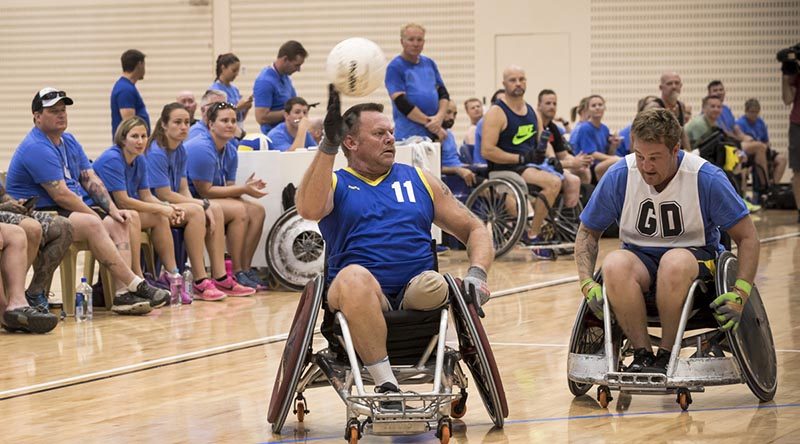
(514, 81)
(513, 70)
(186, 98)
(670, 86)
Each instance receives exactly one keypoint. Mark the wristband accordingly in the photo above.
(476, 272)
(743, 285)
(328, 147)
(206, 204)
(586, 282)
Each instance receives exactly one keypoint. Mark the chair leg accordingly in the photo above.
(68, 270)
(108, 286)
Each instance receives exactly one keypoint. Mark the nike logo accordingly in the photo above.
(354, 187)
(524, 132)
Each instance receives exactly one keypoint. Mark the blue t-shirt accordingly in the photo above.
(720, 206)
(207, 164)
(383, 225)
(125, 95)
(477, 159)
(117, 175)
(166, 168)
(272, 90)
(625, 145)
(726, 121)
(757, 130)
(233, 94)
(450, 151)
(590, 138)
(281, 140)
(419, 81)
(37, 160)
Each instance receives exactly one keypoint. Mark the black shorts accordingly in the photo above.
(706, 263)
(65, 212)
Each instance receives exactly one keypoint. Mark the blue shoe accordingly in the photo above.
(532, 241)
(442, 248)
(243, 278)
(38, 301)
(262, 284)
(544, 254)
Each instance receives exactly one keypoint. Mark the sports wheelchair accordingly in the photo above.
(502, 204)
(419, 355)
(294, 250)
(597, 349)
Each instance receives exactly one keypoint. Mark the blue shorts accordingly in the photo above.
(546, 167)
(706, 263)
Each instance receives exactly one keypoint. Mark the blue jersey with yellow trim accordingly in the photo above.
(383, 225)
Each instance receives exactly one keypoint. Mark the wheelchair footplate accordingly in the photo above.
(411, 413)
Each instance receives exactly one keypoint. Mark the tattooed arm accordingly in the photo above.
(97, 191)
(65, 198)
(452, 216)
(586, 243)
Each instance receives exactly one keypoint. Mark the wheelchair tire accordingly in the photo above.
(488, 202)
(296, 353)
(587, 338)
(294, 250)
(752, 343)
(477, 354)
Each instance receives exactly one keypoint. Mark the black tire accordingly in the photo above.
(488, 202)
(587, 338)
(294, 250)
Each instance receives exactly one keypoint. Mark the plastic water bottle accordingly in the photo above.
(175, 288)
(188, 282)
(541, 148)
(83, 301)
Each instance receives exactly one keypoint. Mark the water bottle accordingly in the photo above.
(541, 148)
(83, 301)
(188, 282)
(175, 288)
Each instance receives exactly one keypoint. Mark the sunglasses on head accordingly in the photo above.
(221, 105)
(52, 95)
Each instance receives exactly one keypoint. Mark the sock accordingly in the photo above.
(381, 372)
(134, 283)
(199, 281)
(222, 279)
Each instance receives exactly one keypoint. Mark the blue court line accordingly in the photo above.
(570, 418)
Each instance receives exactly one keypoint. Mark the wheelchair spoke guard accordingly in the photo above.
(295, 353)
(294, 250)
(587, 338)
(477, 354)
(752, 343)
(503, 209)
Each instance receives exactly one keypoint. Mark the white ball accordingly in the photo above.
(356, 66)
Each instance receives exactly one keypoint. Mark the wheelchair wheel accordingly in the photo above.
(477, 354)
(294, 250)
(295, 353)
(587, 338)
(503, 208)
(752, 343)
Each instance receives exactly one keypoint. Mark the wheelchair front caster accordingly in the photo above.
(604, 396)
(443, 430)
(684, 399)
(458, 408)
(300, 408)
(352, 432)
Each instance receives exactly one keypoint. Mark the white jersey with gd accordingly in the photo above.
(671, 218)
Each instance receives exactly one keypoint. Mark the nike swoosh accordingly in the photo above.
(519, 138)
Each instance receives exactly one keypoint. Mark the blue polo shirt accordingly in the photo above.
(37, 160)
(726, 121)
(590, 139)
(756, 130)
(125, 95)
(450, 151)
(272, 90)
(233, 94)
(625, 145)
(118, 175)
(281, 140)
(166, 168)
(477, 159)
(419, 81)
(207, 164)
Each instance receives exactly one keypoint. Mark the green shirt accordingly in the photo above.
(696, 128)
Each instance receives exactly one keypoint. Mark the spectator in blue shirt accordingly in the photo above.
(754, 126)
(451, 164)
(187, 99)
(51, 164)
(595, 139)
(294, 132)
(211, 171)
(126, 101)
(419, 97)
(227, 70)
(273, 86)
(646, 102)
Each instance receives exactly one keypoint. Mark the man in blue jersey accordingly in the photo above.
(754, 126)
(126, 101)
(273, 86)
(375, 216)
(670, 206)
(419, 97)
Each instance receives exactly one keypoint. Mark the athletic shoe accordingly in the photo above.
(162, 282)
(544, 254)
(533, 241)
(207, 291)
(232, 288)
(38, 301)
(130, 304)
(660, 363)
(29, 320)
(253, 274)
(442, 249)
(156, 296)
(751, 207)
(244, 279)
(389, 389)
(642, 358)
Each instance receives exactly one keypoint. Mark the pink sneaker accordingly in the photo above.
(232, 288)
(207, 291)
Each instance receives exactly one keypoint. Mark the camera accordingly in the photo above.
(790, 59)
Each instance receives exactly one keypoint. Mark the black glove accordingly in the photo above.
(790, 68)
(334, 130)
(534, 156)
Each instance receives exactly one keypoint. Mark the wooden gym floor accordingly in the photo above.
(203, 373)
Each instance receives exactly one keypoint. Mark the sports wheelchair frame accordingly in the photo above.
(597, 349)
(419, 355)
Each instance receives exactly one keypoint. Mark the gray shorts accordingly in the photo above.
(44, 219)
(794, 147)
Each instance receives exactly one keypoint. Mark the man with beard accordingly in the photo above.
(451, 164)
(574, 165)
(670, 87)
(670, 207)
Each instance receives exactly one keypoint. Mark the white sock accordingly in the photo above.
(381, 372)
(134, 283)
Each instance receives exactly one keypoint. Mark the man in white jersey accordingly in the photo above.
(670, 207)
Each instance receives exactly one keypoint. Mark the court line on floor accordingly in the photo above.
(208, 352)
(533, 344)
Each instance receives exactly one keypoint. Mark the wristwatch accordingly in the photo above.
(206, 204)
